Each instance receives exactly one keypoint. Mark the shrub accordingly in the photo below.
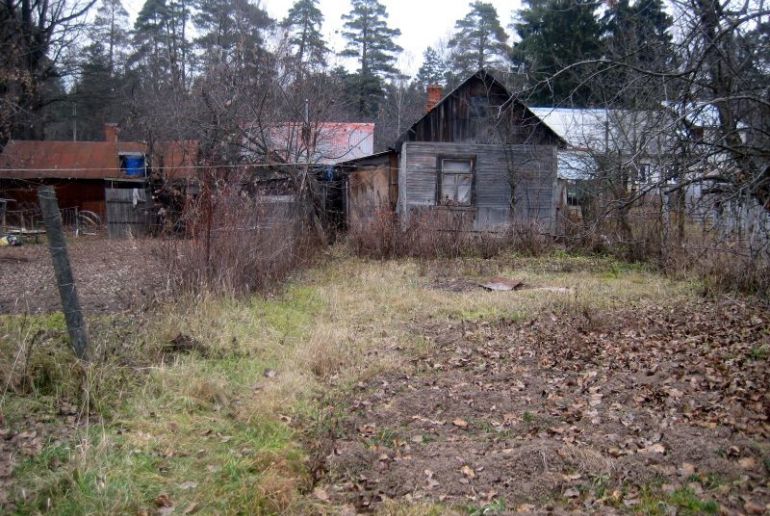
(239, 242)
(440, 233)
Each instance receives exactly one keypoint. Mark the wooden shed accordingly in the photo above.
(478, 156)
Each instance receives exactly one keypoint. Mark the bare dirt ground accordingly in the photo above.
(659, 410)
(111, 275)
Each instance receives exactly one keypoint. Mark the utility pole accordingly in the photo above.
(74, 122)
(57, 245)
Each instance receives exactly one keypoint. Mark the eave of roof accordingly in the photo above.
(363, 158)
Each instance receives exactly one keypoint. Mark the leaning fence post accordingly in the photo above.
(57, 245)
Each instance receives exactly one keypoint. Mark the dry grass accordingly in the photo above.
(725, 260)
(227, 431)
(237, 243)
(432, 234)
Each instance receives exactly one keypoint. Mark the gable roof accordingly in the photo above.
(491, 82)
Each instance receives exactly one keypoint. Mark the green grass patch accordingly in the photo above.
(684, 499)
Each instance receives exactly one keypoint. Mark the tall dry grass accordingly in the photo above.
(677, 243)
(238, 242)
(441, 234)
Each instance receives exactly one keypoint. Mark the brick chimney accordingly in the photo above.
(111, 131)
(435, 92)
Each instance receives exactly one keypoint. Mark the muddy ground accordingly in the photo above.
(111, 276)
(651, 409)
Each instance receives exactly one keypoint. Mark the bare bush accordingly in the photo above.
(721, 265)
(440, 233)
(677, 242)
(239, 242)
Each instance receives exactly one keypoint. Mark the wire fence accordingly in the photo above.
(28, 222)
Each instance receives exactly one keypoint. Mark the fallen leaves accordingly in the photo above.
(654, 448)
(321, 494)
(572, 405)
(164, 503)
(686, 470)
(460, 423)
(468, 471)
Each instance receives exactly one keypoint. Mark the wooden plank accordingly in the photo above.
(123, 216)
(520, 175)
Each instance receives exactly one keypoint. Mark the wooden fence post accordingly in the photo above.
(57, 245)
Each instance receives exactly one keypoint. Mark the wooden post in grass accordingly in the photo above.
(57, 244)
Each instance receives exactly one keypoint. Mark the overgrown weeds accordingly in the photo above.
(441, 233)
(238, 242)
(724, 255)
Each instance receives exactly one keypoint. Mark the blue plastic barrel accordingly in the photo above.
(134, 166)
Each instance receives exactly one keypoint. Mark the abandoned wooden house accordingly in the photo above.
(478, 159)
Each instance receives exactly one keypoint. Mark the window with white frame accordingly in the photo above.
(455, 181)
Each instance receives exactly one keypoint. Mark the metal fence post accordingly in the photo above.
(57, 245)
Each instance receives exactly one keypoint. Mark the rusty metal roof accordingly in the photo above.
(177, 159)
(34, 159)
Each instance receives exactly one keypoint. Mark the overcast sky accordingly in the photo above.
(422, 22)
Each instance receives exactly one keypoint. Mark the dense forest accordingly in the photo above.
(199, 69)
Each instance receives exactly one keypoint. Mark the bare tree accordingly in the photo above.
(34, 35)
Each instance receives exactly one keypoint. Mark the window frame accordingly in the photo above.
(471, 158)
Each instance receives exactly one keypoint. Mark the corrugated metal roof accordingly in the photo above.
(333, 141)
(32, 159)
(177, 159)
(603, 130)
(580, 128)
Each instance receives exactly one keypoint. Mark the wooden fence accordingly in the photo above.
(127, 211)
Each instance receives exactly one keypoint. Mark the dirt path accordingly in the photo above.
(111, 275)
(653, 409)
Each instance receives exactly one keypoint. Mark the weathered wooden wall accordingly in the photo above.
(84, 194)
(512, 183)
(368, 195)
(124, 215)
(371, 188)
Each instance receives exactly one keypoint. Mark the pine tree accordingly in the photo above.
(231, 31)
(108, 35)
(652, 31)
(479, 40)
(97, 96)
(303, 23)
(638, 34)
(553, 35)
(433, 70)
(162, 48)
(370, 41)
(636, 37)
